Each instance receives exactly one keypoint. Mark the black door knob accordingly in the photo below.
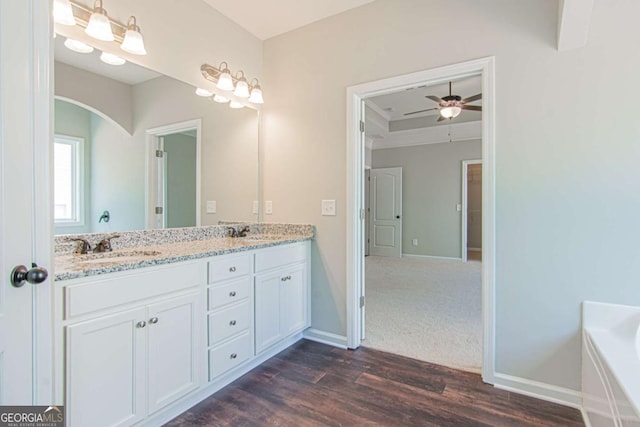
(20, 274)
(397, 216)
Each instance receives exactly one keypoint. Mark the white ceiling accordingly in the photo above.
(268, 18)
(128, 73)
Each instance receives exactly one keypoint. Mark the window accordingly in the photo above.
(68, 162)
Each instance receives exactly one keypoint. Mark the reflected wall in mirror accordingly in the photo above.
(111, 167)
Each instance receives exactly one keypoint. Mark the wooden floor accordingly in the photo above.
(474, 255)
(312, 384)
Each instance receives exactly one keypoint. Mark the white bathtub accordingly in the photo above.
(611, 364)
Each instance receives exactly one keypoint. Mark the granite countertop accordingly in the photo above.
(73, 266)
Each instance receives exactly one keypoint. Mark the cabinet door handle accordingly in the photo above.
(141, 324)
(232, 269)
(233, 356)
(153, 320)
(232, 293)
(232, 323)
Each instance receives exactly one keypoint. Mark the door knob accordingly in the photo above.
(20, 274)
(397, 216)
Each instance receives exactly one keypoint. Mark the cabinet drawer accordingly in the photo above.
(229, 355)
(229, 292)
(139, 285)
(228, 322)
(229, 268)
(278, 256)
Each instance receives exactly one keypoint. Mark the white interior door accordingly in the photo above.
(25, 204)
(386, 212)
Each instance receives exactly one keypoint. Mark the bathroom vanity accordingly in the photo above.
(149, 331)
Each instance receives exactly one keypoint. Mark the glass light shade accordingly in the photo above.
(111, 59)
(242, 89)
(225, 81)
(450, 112)
(235, 104)
(133, 42)
(78, 46)
(256, 96)
(62, 13)
(99, 26)
(221, 99)
(203, 92)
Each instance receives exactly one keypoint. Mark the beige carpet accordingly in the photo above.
(426, 309)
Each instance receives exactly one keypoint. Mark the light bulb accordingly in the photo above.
(133, 41)
(225, 81)
(78, 46)
(242, 88)
(203, 92)
(256, 95)
(111, 59)
(62, 13)
(99, 26)
(221, 99)
(450, 112)
(235, 105)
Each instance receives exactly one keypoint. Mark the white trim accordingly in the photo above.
(464, 218)
(355, 156)
(323, 337)
(150, 144)
(94, 111)
(443, 258)
(458, 132)
(543, 391)
(585, 417)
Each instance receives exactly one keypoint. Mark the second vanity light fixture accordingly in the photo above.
(237, 84)
(98, 25)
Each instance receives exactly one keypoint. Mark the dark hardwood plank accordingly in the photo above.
(312, 384)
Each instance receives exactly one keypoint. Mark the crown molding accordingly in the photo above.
(431, 135)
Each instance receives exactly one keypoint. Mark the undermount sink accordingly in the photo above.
(120, 256)
(260, 238)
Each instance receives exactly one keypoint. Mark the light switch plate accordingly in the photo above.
(459, 207)
(329, 207)
(255, 206)
(268, 207)
(414, 242)
(211, 206)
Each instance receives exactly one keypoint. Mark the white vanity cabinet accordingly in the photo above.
(281, 294)
(128, 359)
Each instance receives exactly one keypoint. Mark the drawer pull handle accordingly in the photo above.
(232, 293)
(232, 269)
(233, 356)
(153, 320)
(232, 323)
(141, 324)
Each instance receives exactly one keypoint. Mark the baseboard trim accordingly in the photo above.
(475, 249)
(585, 417)
(543, 391)
(328, 338)
(432, 257)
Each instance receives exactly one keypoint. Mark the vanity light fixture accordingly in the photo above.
(111, 59)
(220, 99)
(133, 41)
(223, 79)
(203, 92)
(78, 46)
(99, 26)
(62, 13)
(236, 105)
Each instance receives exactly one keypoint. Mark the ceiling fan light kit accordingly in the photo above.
(451, 105)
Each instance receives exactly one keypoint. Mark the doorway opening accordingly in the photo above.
(173, 175)
(356, 97)
(471, 247)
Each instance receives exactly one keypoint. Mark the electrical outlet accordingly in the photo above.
(268, 207)
(255, 206)
(329, 207)
(414, 242)
(211, 206)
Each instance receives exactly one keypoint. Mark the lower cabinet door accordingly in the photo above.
(172, 353)
(293, 300)
(267, 310)
(105, 370)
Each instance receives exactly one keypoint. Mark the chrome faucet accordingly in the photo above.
(240, 232)
(86, 246)
(105, 244)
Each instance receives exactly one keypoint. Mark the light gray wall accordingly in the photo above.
(568, 185)
(431, 189)
(72, 120)
(181, 180)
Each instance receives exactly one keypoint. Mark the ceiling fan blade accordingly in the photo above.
(420, 111)
(441, 118)
(472, 98)
(434, 98)
(472, 107)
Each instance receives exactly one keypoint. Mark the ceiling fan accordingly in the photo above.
(451, 106)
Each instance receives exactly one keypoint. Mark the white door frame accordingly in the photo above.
(465, 203)
(355, 188)
(151, 185)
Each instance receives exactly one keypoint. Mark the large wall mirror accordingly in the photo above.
(129, 140)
